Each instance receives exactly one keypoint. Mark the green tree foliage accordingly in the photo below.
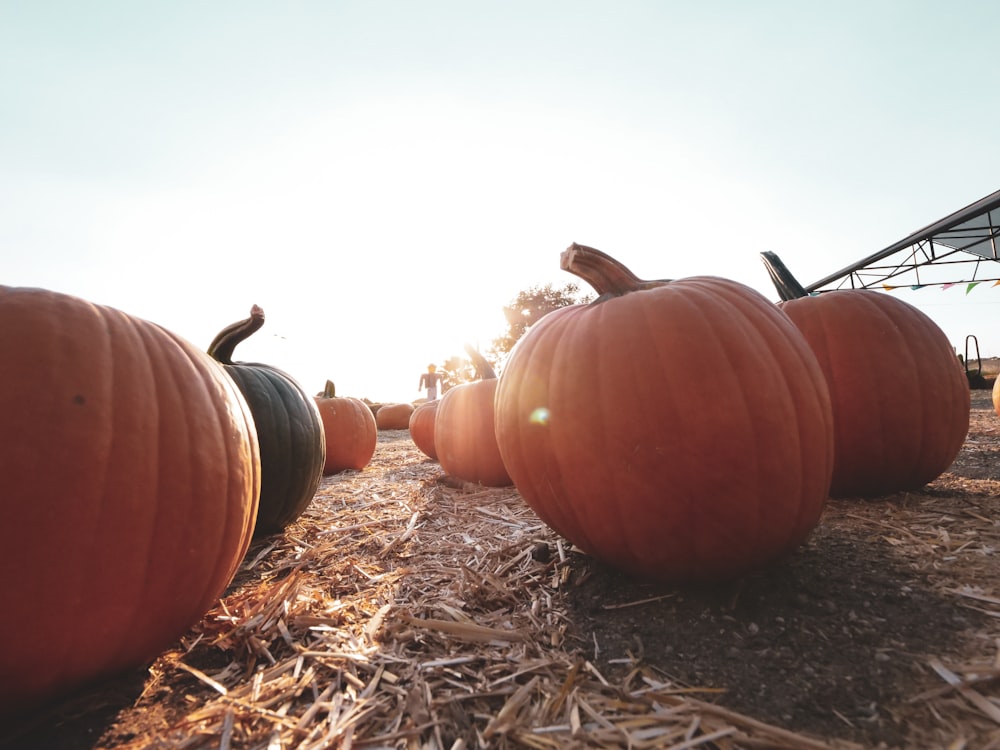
(457, 370)
(527, 308)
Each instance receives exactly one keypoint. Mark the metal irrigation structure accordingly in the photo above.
(961, 248)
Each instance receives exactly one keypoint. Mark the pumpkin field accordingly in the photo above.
(405, 608)
(797, 551)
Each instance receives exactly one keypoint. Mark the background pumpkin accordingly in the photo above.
(394, 416)
(679, 431)
(422, 423)
(289, 429)
(130, 475)
(350, 430)
(464, 429)
(900, 398)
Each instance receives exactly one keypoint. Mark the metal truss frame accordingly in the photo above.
(963, 247)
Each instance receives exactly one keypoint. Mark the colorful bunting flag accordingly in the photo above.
(970, 285)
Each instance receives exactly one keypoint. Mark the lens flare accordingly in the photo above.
(539, 416)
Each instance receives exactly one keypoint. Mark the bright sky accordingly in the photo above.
(383, 176)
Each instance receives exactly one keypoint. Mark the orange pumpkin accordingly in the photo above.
(900, 397)
(679, 431)
(394, 416)
(464, 435)
(996, 396)
(349, 426)
(422, 422)
(130, 472)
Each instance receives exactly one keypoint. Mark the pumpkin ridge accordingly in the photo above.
(916, 408)
(665, 397)
(924, 352)
(124, 359)
(809, 374)
(115, 604)
(198, 390)
(894, 437)
(748, 332)
(844, 370)
(270, 420)
(763, 334)
(138, 605)
(73, 579)
(535, 411)
(715, 309)
(212, 378)
(581, 339)
(802, 383)
(557, 422)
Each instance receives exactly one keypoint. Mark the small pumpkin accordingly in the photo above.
(464, 436)
(350, 430)
(289, 429)
(394, 416)
(900, 398)
(130, 476)
(422, 422)
(677, 430)
(996, 396)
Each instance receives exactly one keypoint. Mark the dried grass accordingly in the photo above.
(406, 611)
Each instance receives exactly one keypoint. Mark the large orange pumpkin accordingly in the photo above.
(351, 434)
(464, 429)
(679, 431)
(130, 477)
(900, 398)
(422, 423)
(996, 396)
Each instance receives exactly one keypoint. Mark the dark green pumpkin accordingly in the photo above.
(289, 429)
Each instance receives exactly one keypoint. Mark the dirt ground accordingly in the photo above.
(882, 631)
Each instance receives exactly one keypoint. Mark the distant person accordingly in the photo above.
(430, 380)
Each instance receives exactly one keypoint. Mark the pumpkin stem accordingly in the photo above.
(329, 390)
(222, 347)
(608, 276)
(484, 369)
(786, 284)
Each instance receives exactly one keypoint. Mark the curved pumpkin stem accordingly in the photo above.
(329, 390)
(222, 347)
(608, 276)
(484, 369)
(787, 285)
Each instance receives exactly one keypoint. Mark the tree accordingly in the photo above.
(528, 307)
(458, 370)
